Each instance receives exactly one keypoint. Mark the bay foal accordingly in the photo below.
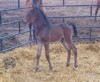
(47, 32)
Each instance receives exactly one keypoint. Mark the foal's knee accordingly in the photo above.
(38, 56)
(74, 49)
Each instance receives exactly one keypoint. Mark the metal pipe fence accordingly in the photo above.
(31, 29)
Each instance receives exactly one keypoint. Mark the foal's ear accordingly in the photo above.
(33, 6)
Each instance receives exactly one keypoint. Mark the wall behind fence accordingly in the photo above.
(14, 33)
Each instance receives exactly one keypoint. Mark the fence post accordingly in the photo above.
(18, 4)
(63, 19)
(1, 46)
(90, 35)
(63, 2)
(91, 10)
(30, 33)
(34, 35)
(30, 30)
(0, 18)
(19, 25)
(0, 38)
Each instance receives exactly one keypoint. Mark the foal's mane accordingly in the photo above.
(43, 14)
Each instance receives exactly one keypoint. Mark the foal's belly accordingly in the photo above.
(56, 34)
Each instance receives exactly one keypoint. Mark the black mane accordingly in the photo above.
(43, 14)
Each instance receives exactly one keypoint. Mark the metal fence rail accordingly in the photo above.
(31, 30)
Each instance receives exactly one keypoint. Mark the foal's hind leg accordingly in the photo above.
(73, 48)
(46, 45)
(75, 55)
(40, 44)
(69, 52)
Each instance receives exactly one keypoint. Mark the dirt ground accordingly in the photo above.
(20, 65)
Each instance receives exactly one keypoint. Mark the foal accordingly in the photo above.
(46, 33)
(97, 8)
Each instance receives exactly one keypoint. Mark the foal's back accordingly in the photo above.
(59, 31)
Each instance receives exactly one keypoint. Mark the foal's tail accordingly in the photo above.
(74, 27)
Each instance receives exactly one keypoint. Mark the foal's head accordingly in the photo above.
(35, 14)
(31, 16)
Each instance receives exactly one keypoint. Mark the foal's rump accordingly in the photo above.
(69, 27)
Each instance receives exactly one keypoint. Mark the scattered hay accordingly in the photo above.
(9, 62)
(24, 61)
(93, 47)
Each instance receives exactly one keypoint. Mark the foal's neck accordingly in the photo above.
(42, 20)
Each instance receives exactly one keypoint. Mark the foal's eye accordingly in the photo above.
(29, 15)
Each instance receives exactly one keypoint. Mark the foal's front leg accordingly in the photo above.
(40, 44)
(46, 45)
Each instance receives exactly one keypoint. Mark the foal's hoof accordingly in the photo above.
(51, 68)
(36, 69)
(76, 66)
(67, 65)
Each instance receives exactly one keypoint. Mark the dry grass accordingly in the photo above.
(88, 70)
